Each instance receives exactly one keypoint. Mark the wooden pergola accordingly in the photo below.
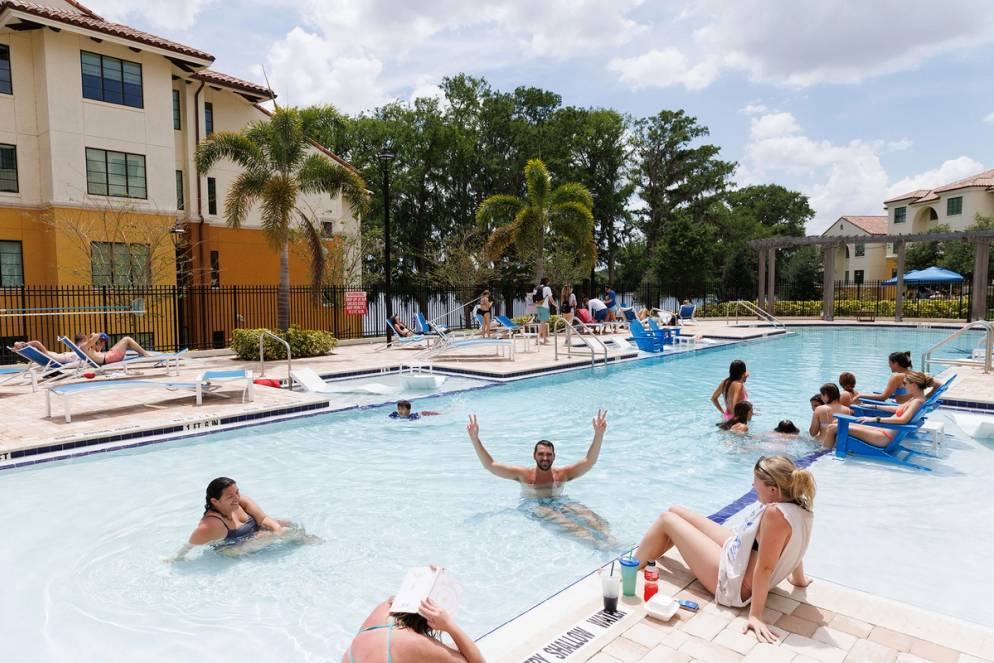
(767, 248)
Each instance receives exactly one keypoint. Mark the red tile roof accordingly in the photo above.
(984, 179)
(88, 20)
(875, 225)
(224, 80)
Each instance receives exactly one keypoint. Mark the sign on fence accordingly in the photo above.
(355, 303)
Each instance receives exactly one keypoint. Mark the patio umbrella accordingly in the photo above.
(929, 275)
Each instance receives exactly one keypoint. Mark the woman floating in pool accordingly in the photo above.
(915, 383)
(403, 637)
(739, 423)
(741, 565)
(732, 389)
(900, 364)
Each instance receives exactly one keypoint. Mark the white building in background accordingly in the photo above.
(858, 262)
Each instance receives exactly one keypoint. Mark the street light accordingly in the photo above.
(177, 234)
(385, 156)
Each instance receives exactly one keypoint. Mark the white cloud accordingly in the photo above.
(662, 69)
(800, 43)
(754, 108)
(175, 14)
(989, 119)
(839, 179)
(949, 171)
(306, 69)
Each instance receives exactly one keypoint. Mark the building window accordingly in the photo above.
(208, 118)
(5, 84)
(179, 189)
(119, 264)
(8, 168)
(215, 269)
(327, 229)
(117, 174)
(954, 206)
(900, 214)
(111, 80)
(857, 276)
(177, 125)
(211, 196)
(11, 265)
(860, 249)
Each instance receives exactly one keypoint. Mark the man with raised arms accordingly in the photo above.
(542, 482)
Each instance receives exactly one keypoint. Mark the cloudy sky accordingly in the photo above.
(848, 102)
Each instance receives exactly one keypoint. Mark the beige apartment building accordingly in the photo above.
(98, 127)
(955, 204)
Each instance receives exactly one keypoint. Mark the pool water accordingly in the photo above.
(88, 541)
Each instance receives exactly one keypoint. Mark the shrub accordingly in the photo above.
(522, 319)
(303, 343)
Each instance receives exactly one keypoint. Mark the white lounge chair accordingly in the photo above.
(170, 361)
(447, 343)
(312, 382)
(206, 383)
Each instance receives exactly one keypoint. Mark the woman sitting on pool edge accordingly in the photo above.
(915, 384)
(230, 517)
(743, 564)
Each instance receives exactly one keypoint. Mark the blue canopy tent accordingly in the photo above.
(928, 275)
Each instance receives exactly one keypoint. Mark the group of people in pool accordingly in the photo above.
(95, 345)
(738, 565)
(907, 387)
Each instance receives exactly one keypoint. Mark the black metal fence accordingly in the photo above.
(169, 318)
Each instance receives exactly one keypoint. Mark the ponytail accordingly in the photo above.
(902, 359)
(802, 489)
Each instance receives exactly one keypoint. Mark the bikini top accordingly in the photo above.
(389, 626)
(247, 528)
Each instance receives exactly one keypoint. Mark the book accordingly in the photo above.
(423, 582)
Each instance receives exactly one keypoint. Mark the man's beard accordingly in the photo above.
(544, 466)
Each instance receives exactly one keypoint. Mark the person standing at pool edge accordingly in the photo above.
(542, 477)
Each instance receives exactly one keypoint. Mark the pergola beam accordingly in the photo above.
(787, 242)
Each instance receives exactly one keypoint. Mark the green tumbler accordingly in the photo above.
(629, 571)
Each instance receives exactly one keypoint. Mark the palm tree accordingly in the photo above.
(545, 215)
(278, 165)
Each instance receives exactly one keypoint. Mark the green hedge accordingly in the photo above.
(939, 308)
(522, 319)
(303, 343)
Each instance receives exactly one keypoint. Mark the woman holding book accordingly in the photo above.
(408, 637)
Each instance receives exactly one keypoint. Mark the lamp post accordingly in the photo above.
(178, 236)
(386, 156)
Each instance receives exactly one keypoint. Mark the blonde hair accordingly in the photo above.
(796, 485)
(922, 380)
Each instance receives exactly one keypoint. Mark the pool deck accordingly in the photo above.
(136, 412)
(823, 622)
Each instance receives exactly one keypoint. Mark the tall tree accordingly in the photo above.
(543, 216)
(672, 173)
(277, 166)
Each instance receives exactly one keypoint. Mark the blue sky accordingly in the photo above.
(848, 102)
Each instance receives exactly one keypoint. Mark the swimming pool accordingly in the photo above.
(87, 539)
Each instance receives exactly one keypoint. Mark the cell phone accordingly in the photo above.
(688, 605)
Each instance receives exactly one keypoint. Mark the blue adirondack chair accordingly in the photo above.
(664, 335)
(643, 340)
(895, 452)
(931, 403)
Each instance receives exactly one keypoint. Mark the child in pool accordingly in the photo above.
(403, 411)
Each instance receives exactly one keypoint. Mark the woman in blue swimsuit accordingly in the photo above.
(900, 364)
(404, 637)
(230, 517)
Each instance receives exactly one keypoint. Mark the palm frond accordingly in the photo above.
(287, 144)
(573, 224)
(319, 174)
(498, 209)
(529, 227)
(313, 238)
(227, 145)
(500, 241)
(538, 181)
(571, 192)
(279, 199)
(247, 188)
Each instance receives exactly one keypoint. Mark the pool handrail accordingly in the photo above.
(262, 357)
(754, 310)
(927, 359)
